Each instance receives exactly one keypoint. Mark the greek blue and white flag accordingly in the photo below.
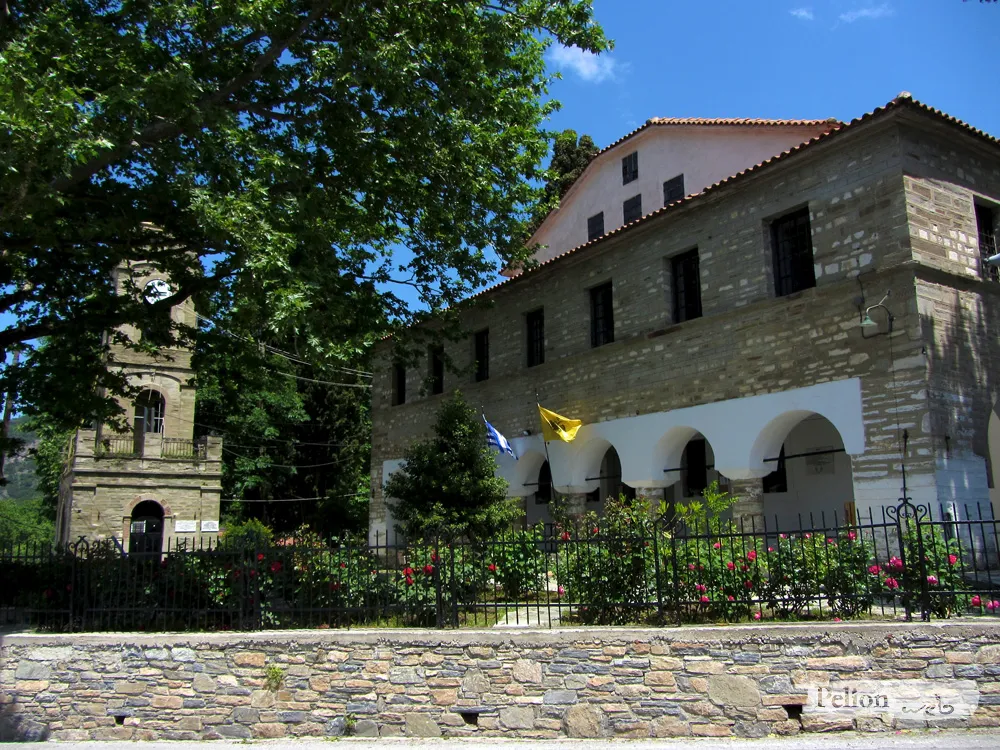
(495, 439)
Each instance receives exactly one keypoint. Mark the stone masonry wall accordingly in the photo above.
(708, 681)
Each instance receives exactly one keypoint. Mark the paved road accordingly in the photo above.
(928, 740)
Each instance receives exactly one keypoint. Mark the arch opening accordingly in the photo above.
(148, 411)
(811, 481)
(692, 464)
(146, 529)
(610, 482)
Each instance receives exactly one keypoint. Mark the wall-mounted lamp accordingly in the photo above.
(866, 320)
(994, 260)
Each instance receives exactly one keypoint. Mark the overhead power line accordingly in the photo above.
(288, 355)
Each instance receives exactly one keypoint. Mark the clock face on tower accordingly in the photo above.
(155, 290)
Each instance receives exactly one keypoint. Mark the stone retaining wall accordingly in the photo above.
(707, 681)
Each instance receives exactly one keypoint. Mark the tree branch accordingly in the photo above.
(164, 129)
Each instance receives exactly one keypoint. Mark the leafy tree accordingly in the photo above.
(25, 522)
(447, 484)
(288, 146)
(570, 156)
(285, 436)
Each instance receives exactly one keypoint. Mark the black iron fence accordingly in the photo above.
(622, 568)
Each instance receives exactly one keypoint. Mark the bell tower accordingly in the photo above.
(153, 485)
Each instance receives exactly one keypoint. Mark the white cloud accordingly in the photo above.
(871, 13)
(590, 67)
(803, 14)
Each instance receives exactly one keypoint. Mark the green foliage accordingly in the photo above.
(50, 454)
(570, 156)
(447, 485)
(517, 562)
(25, 522)
(706, 513)
(610, 564)
(287, 148)
(274, 678)
(248, 534)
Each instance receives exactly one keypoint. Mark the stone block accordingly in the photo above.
(33, 670)
(988, 654)
(202, 683)
(584, 722)
(269, 731)
(817, 722)
(475, 682)
(405, 676)
(421, 725)
(669, 726)
(660, 679)
(517, 718)
(167, 701)
(244, 715)
(183, 654)
(234, 731)
(711, 730)
(560, 697)
(733, 690)
(527, 671)
(247, 658)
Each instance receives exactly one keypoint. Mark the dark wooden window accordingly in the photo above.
(437, 370)
(630, 168)
(696, 467)
(673, 189)
(686, 286)
(632, 209)
(398, 385)
(482, 350)
(777, 480)
(791, 241)
(595, 226)
(986, 228)
(602, 320)
(535, 322)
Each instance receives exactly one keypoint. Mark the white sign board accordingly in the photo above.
(185, 527)
(209, 525)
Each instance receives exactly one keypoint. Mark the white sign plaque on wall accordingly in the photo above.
(209, 525)
(822, 463)
(184, 527)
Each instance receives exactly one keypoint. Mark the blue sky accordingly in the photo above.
(767, 58)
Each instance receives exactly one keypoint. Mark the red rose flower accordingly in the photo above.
(275, 566)
(493, 568)
(428, 570)
(260, 556)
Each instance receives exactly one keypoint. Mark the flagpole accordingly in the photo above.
(547, 459)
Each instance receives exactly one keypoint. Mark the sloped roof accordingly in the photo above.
(901, 101)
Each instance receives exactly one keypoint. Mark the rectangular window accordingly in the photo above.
(686, 286)
(630, 168)
(436, 356)
(696, 468)
(632, 209)
(398, 385)
(791, 241)
(595, 226)
(777, 480)
(482, 350)
(602, 321)
(535, 321)
(986, 228)
(673, 189)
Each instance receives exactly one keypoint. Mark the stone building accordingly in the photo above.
(155, 485)
(721, 337)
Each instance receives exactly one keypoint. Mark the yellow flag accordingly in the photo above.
(556, 427)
